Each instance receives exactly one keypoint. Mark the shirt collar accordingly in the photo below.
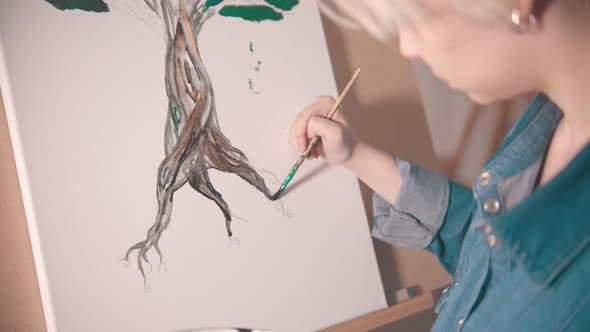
(551, 227)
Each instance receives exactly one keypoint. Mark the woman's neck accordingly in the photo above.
(567, 79)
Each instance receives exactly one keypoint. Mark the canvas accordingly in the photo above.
(148, 144)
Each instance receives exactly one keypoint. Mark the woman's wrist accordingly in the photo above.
(357, 151)
(375, 168)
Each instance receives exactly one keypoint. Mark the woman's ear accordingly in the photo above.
(525, 7)
(526, 15)
(534, 7)
(539, 7)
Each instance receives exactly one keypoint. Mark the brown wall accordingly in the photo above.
(386, 110)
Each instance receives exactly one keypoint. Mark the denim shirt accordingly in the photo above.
(519, 254)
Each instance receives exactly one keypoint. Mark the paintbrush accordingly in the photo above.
(314, 140)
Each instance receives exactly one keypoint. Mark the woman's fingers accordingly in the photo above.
(297, 138)
(338, 117)
(316, 150)
(330, 131)
(326, 103)
(299, 131)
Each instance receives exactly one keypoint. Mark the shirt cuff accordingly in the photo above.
(419, 210)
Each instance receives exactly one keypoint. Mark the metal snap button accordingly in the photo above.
(487, 229)
(460, 322)
(492, 240)
(485, 178)
(491, 205)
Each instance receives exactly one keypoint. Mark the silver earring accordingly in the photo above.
(520, 23)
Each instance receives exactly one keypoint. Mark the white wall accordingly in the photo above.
(447, 111)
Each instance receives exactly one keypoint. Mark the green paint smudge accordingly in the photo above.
(283, 4)
(251, 86)
(257, 68)
(251, 47)
(97, 6)
(175, 118)
(251, 13)
(212, 3)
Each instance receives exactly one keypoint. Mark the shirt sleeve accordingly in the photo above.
(431, 212)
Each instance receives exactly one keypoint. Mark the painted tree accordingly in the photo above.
(193, 139)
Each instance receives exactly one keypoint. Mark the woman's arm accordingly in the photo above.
(412, 206)
(377, 169)
(339, 146)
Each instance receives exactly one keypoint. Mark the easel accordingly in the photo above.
(386, 316)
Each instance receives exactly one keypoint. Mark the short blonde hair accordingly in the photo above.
(381, 18)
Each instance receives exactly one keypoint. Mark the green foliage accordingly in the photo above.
(252, 13)
(212, 3)
(255, 13)
(285, 5)
(97, 6)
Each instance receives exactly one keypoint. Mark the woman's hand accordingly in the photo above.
(337, 141)
(338, 145)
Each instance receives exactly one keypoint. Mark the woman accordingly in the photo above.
(517, 242)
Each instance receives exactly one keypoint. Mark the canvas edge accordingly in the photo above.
(334, 90)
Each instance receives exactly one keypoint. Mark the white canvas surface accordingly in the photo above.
(86, 105)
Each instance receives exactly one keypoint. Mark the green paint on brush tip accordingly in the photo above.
(289, 178)
(257, 68)
(277, 195)
(97, 6)
(255, 13)
(283, 4)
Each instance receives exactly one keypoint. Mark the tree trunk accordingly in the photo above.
(194, 142)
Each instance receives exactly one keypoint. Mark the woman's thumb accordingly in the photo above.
(327, 129)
